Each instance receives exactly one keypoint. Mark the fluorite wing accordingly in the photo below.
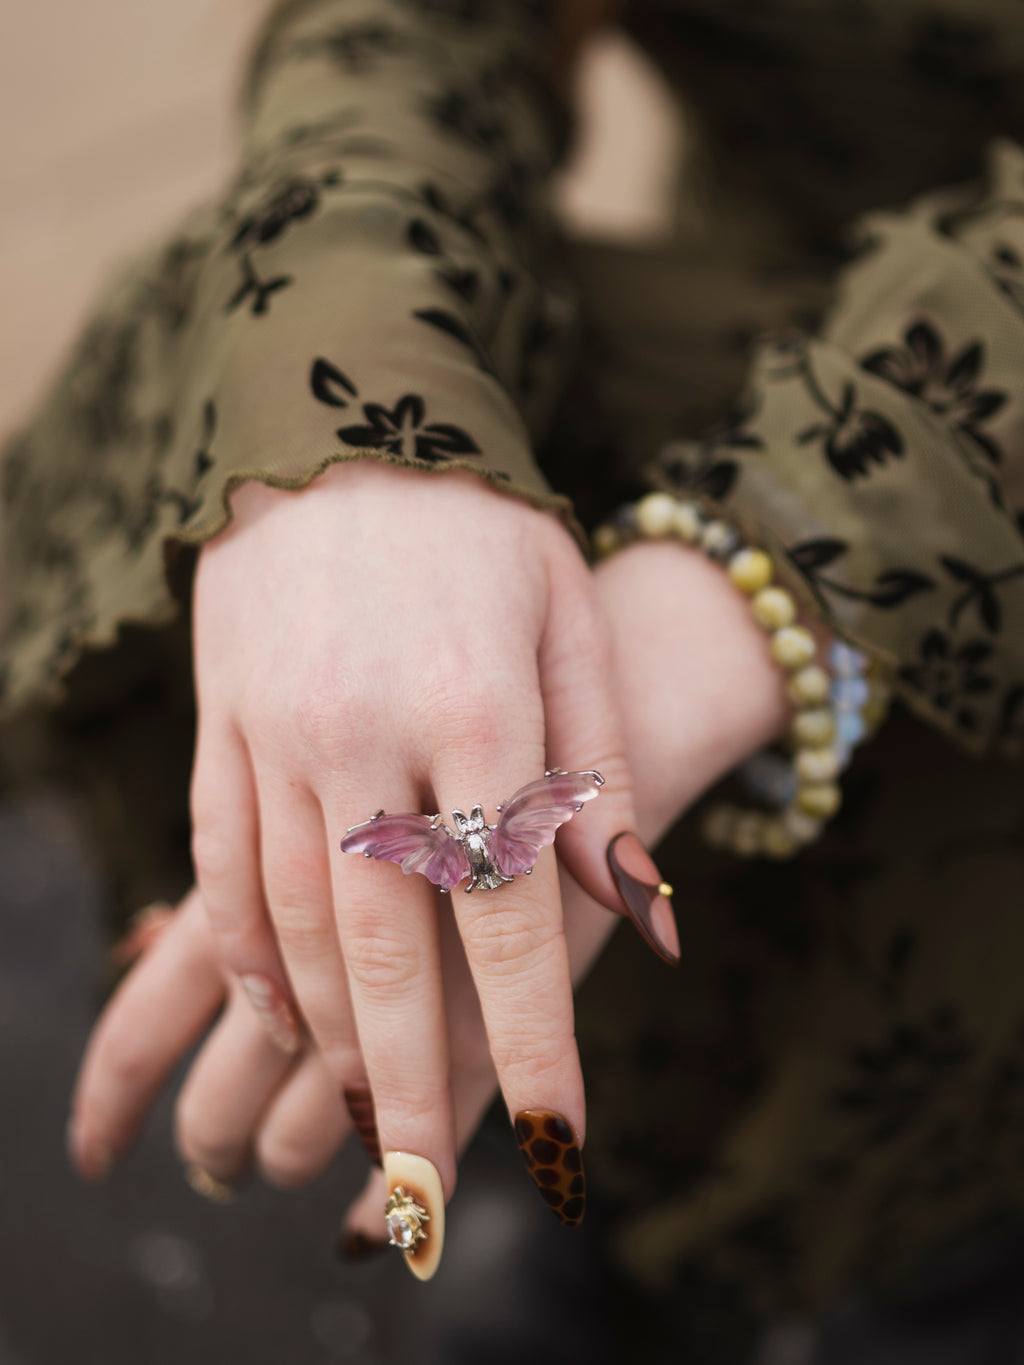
(532, 817)
(414, 844)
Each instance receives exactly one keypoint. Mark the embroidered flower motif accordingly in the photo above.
(947, 383)
(285, 203)
(946, 674)
(854, 437)
(401, 431)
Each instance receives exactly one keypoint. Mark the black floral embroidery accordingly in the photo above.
(948, 384)
(258, 291)
(893, 1084)
(354, 48)
(458, 330)
(329, 385)
(892, 587)
(286, 202)
(980, 589)
(855, 438)
(946, 675)
(401, 431)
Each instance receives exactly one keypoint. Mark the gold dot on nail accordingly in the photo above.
(665, 889)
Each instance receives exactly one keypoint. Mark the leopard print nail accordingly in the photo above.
(554, 1160)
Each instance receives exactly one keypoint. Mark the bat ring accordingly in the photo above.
(490, 855)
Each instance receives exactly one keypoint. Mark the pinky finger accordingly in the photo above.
(159, 1011)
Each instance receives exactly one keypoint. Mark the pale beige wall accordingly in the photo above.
(116, 115)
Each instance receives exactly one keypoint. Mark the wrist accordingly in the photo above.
(698, 686)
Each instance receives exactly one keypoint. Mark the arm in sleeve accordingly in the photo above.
(377, 282)
(883, 460)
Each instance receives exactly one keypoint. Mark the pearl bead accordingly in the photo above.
(850, 728)
(816, 765)
(746, 834)
(655, 514)
(845, 660)
(810, 686)
(813, 729)
(820, 799)
(718, 540)
(850, 694)
(793, 647)
(606, 541)
(718, 825)
(776, 840)
(773, 608)
(687, 522)
(751, 570)
(803, 827)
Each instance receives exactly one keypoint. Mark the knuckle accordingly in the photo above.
(381, 962)
(307, 935)
(214, 851)
(526, 1058)
(513, 943)
(284, 1159)
(199, 1139)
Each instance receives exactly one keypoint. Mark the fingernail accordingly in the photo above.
(646, 897)
(353, 1245)
(414, 1213)
(359, 1100)
(553, 1158)
(91, 1158)
(273, 1012)
(144, 928)
(207, 1185)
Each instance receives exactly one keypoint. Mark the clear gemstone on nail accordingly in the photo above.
(404, 1220)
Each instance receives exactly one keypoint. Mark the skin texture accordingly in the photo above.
(698, 692)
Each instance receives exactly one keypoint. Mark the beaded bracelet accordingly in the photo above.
(839, 700)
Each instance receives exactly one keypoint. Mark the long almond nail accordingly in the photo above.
(273, 1012)
(359, 1101)
(553, 1158)
(414, 1213)
(646, 897)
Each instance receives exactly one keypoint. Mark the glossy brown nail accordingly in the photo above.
(647, 899)
(554, 1160)
(359, 1102)
(353, 1245)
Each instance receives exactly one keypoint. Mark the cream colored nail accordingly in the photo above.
(414, 1213)
(273, 1012)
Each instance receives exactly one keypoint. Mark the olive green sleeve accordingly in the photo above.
(883, 460)
(375, 282)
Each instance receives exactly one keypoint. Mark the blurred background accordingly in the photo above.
(117, 117)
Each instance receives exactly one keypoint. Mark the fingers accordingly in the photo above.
(512, 935)
(228, 1088)
(159, 1011)
(226, 855)
(578, 680)
(387, 925)
(297, 877)
(303, 1127)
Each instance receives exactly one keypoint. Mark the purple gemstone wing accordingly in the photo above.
(414, 844)
(531, 819)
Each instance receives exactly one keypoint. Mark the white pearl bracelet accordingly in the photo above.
(839, 701)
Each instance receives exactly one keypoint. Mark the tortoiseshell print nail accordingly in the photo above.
(359, 1101)
(645, 896)
(554, 1160)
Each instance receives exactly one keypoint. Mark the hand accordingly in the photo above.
(244, 1101)
(415, 642)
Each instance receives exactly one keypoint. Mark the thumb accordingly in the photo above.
(600, 847)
